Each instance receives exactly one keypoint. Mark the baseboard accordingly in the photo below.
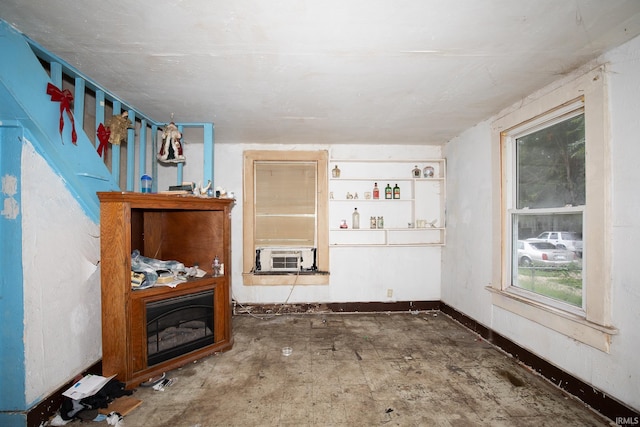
(596, 399)
(47, 408)
(609, 407)
(349, 307)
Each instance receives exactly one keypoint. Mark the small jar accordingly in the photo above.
(145, 183)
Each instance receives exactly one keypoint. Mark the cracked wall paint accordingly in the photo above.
(61, 248)
(10, 206)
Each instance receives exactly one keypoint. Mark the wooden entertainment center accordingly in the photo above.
(184, 228)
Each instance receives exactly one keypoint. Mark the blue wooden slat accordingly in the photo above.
(78, 103)
(207, 167)
(99, 118)
(142, 149)
(56, 74)
(131, 153)
(115, 148)
(154, 163)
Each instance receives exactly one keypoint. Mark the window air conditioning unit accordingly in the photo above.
(278, 259)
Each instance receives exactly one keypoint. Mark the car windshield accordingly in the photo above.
(543, 245)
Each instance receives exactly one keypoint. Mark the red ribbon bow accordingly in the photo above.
(103, 136)
(65, 99)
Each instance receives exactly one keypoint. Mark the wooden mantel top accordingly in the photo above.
(163, 200)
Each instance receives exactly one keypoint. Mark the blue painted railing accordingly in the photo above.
(145, 129)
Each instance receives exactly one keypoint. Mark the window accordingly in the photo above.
(285, 205)
(553, 158)
(547, 185)
(285, 208)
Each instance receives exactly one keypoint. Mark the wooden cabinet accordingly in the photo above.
(415, 218)
(187, 229)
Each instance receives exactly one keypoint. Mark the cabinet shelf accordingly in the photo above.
(168, 291)
(187, 229)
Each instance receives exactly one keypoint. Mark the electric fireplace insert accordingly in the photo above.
(176, 326)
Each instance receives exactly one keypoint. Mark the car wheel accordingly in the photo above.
(525, 262)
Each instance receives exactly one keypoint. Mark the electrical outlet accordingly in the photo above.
(389, 293)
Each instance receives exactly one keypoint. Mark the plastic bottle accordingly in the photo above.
(216, 266)
(145, 183)
(355, 219)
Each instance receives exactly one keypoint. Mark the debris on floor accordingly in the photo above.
(122, 405)
(83, 400)
(153, 380)
(167, 382)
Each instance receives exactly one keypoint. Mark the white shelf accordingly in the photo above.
(361, 199)
(387, 179)
(421, 199)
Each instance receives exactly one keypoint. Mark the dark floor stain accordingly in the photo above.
(512, 378)
(455, 369)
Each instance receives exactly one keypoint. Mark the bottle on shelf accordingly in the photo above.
(216, 266)
(416, 172)
(376, 191)
(373, 223)
(335, 172)
(355, 219)
(380, 222)
(396, 192)
(388, 192)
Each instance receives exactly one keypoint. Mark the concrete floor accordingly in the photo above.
(398, 369)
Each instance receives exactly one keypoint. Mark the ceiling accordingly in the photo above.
(332, 71)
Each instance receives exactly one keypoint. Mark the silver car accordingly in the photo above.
(563, 240)
(532, 253)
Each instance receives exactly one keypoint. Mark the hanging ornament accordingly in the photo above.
(171, 148)
(65, 99)
(119, 127)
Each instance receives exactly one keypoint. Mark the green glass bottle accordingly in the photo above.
(388, 192)
(396, 192)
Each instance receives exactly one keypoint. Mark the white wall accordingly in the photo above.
(360, 274)
(467, 257)
(61, 249)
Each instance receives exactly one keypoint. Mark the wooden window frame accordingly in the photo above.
(594, 325)
(321, 277)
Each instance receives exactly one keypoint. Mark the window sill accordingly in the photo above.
(569, 324)
(286, 279)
